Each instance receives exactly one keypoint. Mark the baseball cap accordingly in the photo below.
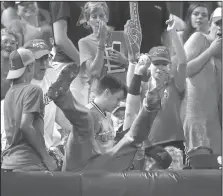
(160, 54)
(217, 14)
(160, 155)
(19, 59)
(38, 47)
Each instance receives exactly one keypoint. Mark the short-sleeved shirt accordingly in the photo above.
(69, 11)
(51, 134)
(21, 99)
(88, 49)
(167, 126)
(104, 132)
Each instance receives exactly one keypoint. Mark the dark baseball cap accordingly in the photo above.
(160, 54)
(160, 155)
(38, 47)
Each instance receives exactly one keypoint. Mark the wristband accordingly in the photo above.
(134, 88)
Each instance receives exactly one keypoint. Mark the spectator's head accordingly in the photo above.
(94, 12)
(216, 23)
(160, 65)
(196, 20)
(26, 9)
(41, 53)
(177, 157)
(9, 42)
(157, 158)
(110, 92)
(7, 4)
(22, 63)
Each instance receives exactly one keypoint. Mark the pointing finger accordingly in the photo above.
(134, 13)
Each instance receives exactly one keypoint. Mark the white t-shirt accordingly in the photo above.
(51, 134)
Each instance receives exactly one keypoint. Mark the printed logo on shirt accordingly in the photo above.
(39, 45)
(46, 99)
(158, 7)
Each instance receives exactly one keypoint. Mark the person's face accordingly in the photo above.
(40, 67)
(216, 29)
(113, 99)
(30, 70)
(199, 18)
(8, 44)
(96, 16)
(27, 9)
(160, 72)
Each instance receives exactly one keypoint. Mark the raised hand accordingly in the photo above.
(133, 30)
(118, 57)
(171, 23)
(102, 33)
(143, 64)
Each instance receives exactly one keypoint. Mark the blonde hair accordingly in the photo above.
(90, 6)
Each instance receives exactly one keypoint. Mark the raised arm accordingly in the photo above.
(133, 38)
(60, 15)
(180, 72)
(133, 97)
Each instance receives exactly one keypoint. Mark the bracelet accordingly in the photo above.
(101, 48)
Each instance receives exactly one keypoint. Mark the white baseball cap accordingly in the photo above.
(19, 59)
(217, 14)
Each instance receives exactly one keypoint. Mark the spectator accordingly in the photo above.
(92, 49)
(202, 123)
(109, 93)
(9, 13)
(43, 77)
(196, 20)
(66, 36)
(167, 129)
(9, 42)
(31, 25)
(85, 157)
(23, 105)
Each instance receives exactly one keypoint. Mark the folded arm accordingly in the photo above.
(196, 57)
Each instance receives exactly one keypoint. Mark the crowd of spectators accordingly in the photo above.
(71, 101)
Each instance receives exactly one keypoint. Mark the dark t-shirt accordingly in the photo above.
(153, 15)
(21, 99)
(69, 11)
(167, 126)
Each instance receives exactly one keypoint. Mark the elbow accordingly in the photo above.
(61, 40)
(24, 128)
(189, 74)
